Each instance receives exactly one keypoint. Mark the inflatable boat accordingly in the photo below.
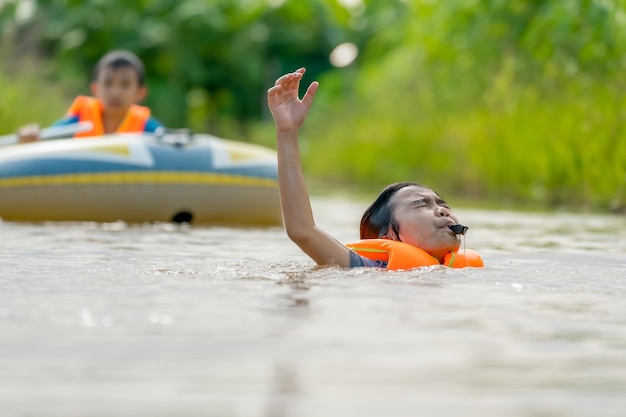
(140, 177)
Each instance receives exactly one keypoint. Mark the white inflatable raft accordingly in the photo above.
(140, 178)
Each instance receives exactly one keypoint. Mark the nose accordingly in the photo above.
(443, 211)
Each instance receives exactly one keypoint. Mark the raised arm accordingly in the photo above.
(289, 113)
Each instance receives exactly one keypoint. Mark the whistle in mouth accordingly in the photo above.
(458, 229)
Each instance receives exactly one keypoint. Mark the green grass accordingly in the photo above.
(522, 148)
(515, 146)
(29, 96)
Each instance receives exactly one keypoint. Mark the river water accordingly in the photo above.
(163, 320)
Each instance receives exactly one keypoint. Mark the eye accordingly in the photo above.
(443, 204)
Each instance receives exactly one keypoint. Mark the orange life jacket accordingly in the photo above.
(399, 255)
(90, 109)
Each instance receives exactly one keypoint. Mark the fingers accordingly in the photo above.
(310, 93)
(29, 128)
(292, 79)
(28, 133)
(290, 84)
(274, 90)
(290, 76)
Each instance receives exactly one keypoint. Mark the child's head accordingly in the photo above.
(414, 214)
(118, 81)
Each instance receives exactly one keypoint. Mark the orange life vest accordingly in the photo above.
(90, 109)
(399, 255)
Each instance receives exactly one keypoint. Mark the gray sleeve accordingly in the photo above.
(358, 261)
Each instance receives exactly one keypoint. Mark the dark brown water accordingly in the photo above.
(159, 320)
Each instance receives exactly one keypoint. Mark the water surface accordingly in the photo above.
(163, 320)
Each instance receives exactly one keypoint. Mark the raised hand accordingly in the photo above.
(287, 109)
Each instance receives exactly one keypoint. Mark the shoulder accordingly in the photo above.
(79, 103)
(395, 254)
(358, 261)
(83, 100)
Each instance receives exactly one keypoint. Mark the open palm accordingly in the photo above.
(288, 110)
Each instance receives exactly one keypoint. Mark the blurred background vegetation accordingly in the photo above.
(514, 103)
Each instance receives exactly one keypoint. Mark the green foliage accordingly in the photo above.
(514, 101)
(27, 97)
(519, 102)
(207, 61)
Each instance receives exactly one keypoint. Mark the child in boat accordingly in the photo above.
(118, 84)
(403, 212)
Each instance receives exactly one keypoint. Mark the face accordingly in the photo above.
(117, 89)
(423, 219)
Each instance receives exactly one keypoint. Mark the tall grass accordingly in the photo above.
(28, 96)
(515, 144)
(519, 145)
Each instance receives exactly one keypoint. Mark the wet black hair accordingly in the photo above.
(378, 218)
(120, 58)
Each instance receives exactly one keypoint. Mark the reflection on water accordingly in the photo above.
(165, 320)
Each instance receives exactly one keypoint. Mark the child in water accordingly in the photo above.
(118, 84)
(403, 212)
